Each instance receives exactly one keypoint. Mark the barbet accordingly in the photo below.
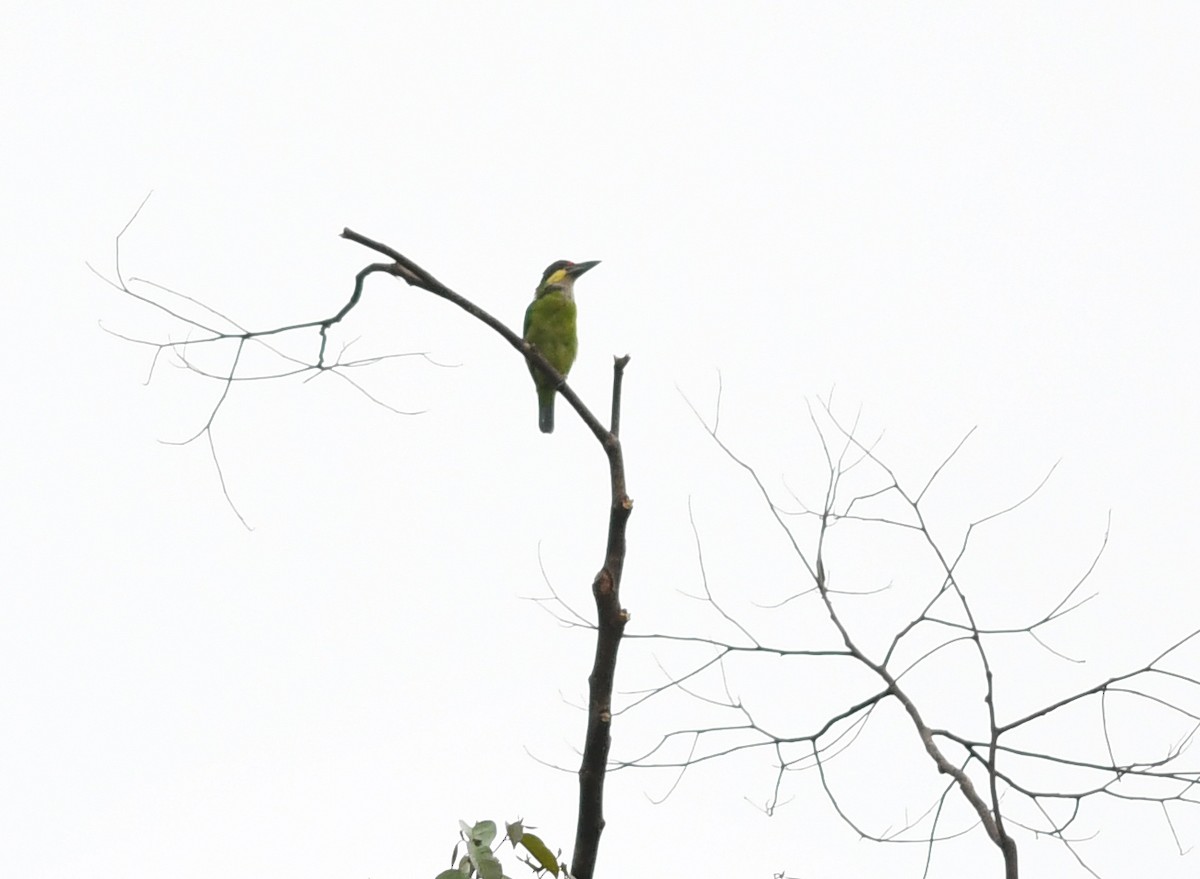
(550, 327)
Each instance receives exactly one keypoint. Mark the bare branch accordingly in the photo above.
(611, 617)
(992, 772)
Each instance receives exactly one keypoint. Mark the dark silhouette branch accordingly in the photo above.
(610, 626)
(415, 276)
(610, 616)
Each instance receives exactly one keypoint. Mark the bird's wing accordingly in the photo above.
(528, 319)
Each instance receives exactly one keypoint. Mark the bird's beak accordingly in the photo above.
(579, 268)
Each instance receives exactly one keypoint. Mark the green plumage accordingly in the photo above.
(550, 327)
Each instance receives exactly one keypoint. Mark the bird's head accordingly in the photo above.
(561, 276)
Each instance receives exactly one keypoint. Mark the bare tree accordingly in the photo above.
(1002, 781)
(207, 328)
(988, 767)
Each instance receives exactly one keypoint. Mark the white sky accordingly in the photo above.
(956, 215)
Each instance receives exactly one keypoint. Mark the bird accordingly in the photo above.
(550, 327)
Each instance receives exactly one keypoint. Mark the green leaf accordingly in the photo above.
(478, 840)
(540, 853)
(450, 874)
(515, 831)
(483, 832)
(489, 867)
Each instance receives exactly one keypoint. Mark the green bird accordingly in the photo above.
(550, 327)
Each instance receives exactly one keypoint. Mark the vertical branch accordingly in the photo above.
(611, 618)
(618, 376)
(610, 626)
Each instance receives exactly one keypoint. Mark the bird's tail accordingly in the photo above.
(546, 411)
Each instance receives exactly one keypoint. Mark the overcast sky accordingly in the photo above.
(948, 215)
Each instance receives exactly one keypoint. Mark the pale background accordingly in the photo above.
(954, 214)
